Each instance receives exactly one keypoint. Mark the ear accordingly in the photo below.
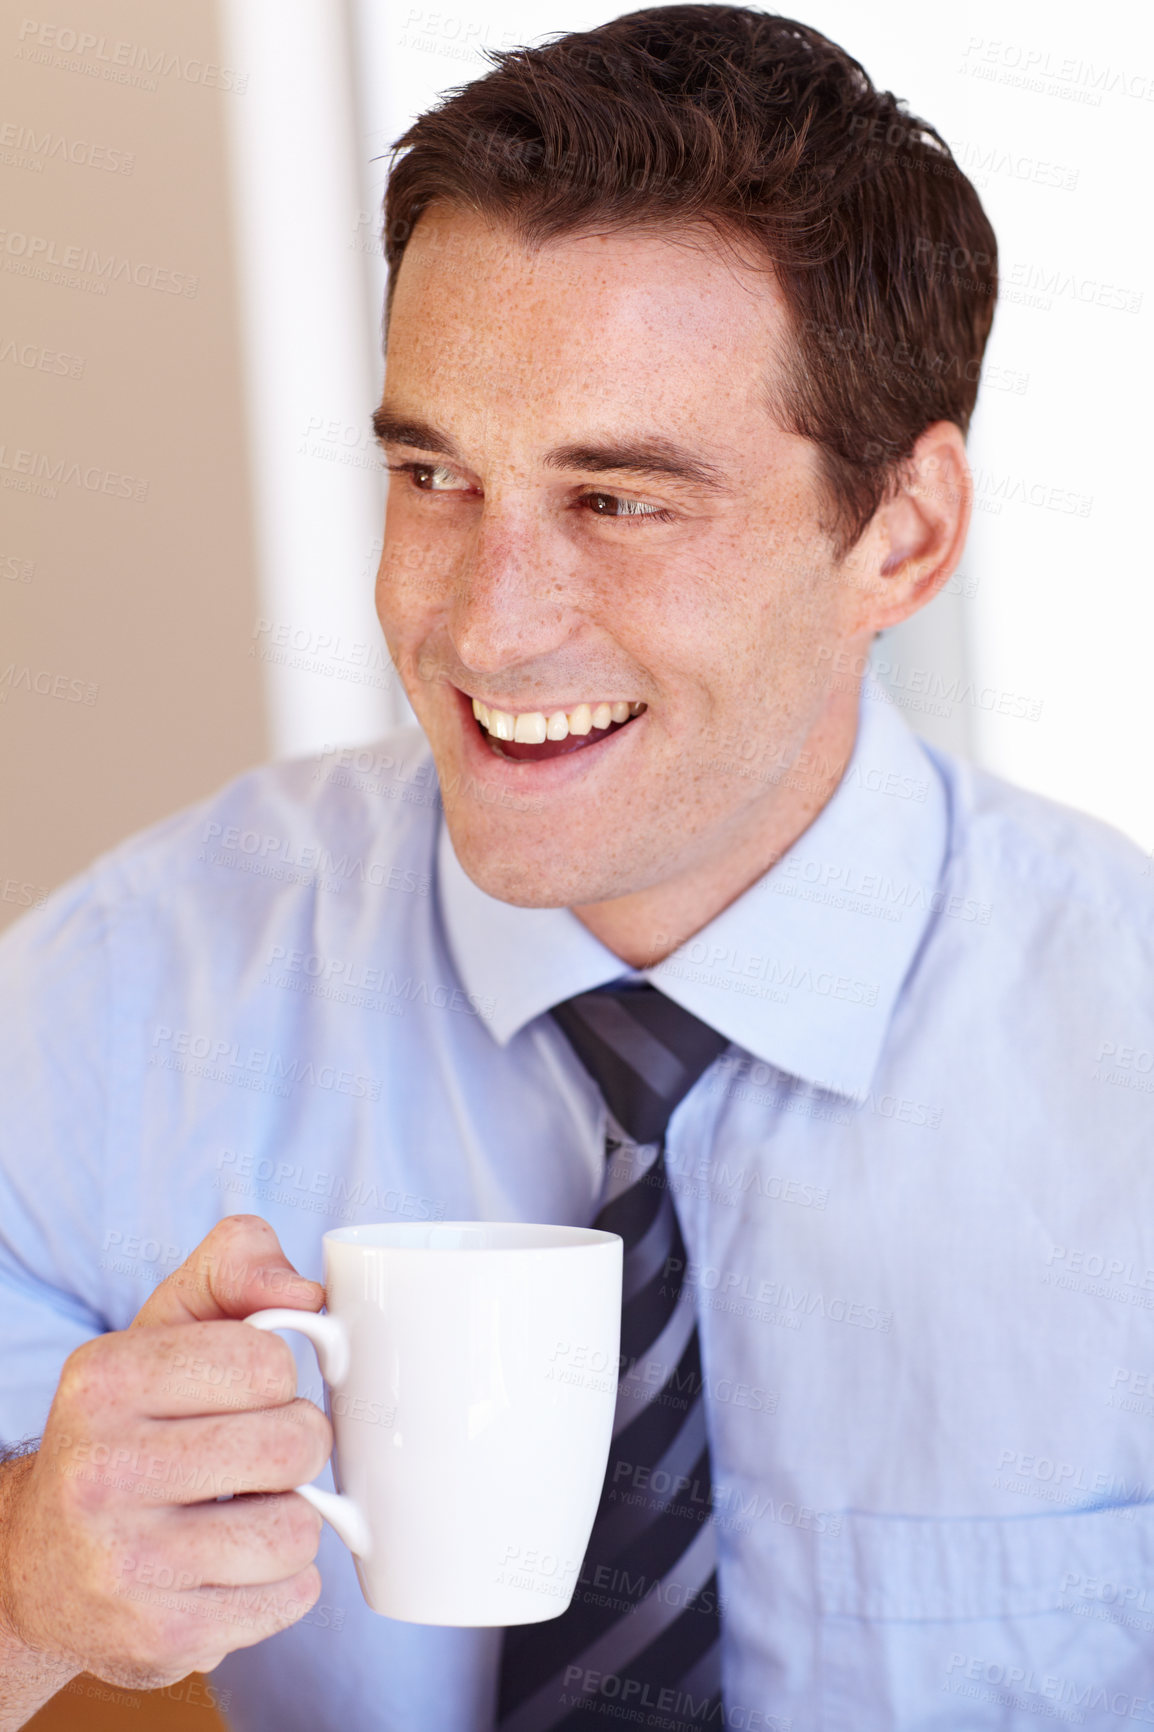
(915, 539)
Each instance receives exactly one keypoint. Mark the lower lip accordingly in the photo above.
(542, 773)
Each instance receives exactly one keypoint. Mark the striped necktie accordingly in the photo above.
(643, 1629)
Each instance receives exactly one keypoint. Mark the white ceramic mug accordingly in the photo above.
(471, 1372)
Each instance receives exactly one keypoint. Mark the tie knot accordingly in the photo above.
(643, 1051)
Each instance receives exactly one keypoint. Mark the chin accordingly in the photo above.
(512, 868)
(516, 860)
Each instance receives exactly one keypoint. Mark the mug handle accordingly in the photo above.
(328, 1337)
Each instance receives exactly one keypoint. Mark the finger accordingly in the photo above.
(257, 1612)
(189, 1461)
(201, 1368)
(235, 1544)
(167, 1373)
(199, 1626)
(237, 1269)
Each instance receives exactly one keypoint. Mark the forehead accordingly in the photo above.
(660, 317)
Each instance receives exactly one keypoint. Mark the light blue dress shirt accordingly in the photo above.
(917, 1194)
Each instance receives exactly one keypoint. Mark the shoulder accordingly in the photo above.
(342, 818)
(350, 822)
(295, 816)
(1045, 865)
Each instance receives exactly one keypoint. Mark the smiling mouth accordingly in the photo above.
(534, 735)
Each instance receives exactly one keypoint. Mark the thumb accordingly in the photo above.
(237, 1269)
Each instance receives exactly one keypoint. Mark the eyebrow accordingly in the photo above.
(653, 455)
(394, 429)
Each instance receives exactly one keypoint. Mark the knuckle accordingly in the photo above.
(273, 1364)
(227, 1364)
(84, 1380)
(266, 1462)
(303, 1445)
(234, 1230)
(316, 1434)
(287, 1531)
(258, 1366)
(304, 1525)
(238, 1241)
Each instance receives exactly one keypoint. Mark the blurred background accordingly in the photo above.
(190, 499)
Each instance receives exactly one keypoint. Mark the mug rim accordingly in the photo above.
(575, 1238)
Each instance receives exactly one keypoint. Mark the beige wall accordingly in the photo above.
(133, 614)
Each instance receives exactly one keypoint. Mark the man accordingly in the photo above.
(675, 414)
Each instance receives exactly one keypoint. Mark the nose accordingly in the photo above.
(510, 604)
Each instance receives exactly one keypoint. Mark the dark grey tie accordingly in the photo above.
(643, 1629)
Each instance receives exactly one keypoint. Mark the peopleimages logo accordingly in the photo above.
(338, 1193)
(46, 684)
(1047, 1694)
(40, 472)
(23, 147)
(118, 62)
(230, 1061)
(237, 844)
(40, 255)
(370, 988)
(732, 967)
(35, 358)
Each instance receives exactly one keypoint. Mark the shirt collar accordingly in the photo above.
(803, 970)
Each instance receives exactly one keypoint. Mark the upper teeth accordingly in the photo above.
(534, 726)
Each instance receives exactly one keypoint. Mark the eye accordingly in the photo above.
(615, 505)
(428, 477)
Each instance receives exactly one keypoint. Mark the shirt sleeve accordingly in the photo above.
(55, 1041)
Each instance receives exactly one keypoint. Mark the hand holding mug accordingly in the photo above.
(116, 1556)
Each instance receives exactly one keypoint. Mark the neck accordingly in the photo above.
(648, 925)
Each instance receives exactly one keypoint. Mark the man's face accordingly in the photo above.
(548, 566)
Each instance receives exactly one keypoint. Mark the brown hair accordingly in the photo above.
(769, 133)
